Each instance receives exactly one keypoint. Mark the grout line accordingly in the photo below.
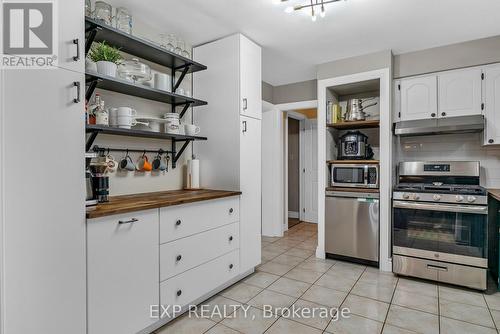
(390, 304)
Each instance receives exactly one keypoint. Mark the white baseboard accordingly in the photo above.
(293, 214)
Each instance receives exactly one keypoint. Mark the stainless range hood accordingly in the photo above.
(461, 124)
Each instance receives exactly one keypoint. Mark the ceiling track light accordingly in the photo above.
(313, 5)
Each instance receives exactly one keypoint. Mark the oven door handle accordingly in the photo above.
(482, 210)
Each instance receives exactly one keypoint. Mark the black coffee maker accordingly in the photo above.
(99, 179)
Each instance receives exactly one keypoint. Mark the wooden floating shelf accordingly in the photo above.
(355, 125)
(89, 128)
(125, 87)
(360, 162)
(97, 31)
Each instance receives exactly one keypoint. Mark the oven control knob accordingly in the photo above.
(406, 196)
(471, 199)
(459, 198)
(436, 197)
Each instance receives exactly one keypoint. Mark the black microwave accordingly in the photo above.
(354, 175)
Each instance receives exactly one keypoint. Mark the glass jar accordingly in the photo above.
(180, 46)
(134, 71)
(103, 12)
(123, 20)
(186, 53)
(88, 8)
(167, 41)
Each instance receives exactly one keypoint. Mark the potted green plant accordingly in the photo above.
(106, 57)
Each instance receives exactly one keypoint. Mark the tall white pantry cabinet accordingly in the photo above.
(42, 223)
(231, 158)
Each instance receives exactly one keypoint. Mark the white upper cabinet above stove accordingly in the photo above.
(440, 95)
(492, 105)
(460, 93)
(419, 98)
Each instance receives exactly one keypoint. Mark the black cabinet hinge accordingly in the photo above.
(482, 106)
(482, 76)
(399, 87)
(399, 114)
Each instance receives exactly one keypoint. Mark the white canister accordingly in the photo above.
(101, 117)
(162, 82)
(126, 111)
(107, 68)
(172, 123)
(193, 174)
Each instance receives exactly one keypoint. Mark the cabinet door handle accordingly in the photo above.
(179, 292)
(179, 257)
(440, 268)
(443, 114)
(433, 115)
(231, 238)
(178, 223)
(77, 42)
(231, 210)
(491, 141)
(231, 266)
(245, 104)
(244, 126)
(133, 220)
(78, 91)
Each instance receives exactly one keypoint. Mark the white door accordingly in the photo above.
(123, 272)
(251, 78)
(419, 98)
(460, 93)
(44, 213)
(492, 105)
(250, 186)
(310, 171)
(71, 28)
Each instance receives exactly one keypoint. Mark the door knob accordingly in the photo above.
(178, 223)
(433, 115)
(443, 114)
(179, 257)
(179, 292)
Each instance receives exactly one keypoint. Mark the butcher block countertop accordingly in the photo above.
(495, 193)
(138, 202)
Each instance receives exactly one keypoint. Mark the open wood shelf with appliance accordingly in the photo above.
(96, 31)
(367, 124)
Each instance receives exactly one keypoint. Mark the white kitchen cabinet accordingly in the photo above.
(71, 28)
(396, 102)
(231, 158)
(123, 272)
(43, 209)
(419, 98)
(250, 186)
(459, 93)
(492, 105)
(250, 78)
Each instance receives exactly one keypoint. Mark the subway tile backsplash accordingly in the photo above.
(454, 147)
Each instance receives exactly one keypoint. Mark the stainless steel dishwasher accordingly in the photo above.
(352, 225)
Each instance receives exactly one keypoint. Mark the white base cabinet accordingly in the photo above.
(122, 271)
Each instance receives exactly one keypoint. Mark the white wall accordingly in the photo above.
(122, 183)
(453, 147)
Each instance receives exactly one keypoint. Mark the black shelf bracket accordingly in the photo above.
(176, 155)
(186, 107)
(91, 33)
(90, 140)
(181, 77)
(90, 89)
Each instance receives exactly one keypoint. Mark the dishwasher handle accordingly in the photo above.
(353, 194)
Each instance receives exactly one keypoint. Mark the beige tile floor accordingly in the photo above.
(379, 302)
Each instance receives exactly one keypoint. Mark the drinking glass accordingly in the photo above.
(186, 53)
(88, 8)
(123, 20)
(103, 12)
(180, 46)
(168, 42)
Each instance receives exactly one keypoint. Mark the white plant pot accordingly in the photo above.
(107, 68)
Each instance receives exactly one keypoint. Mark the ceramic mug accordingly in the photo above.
(159, 163)
(112, 164)
(162, 81)
(127, 164)
(144, 165)
(126, 112)
(191, 129)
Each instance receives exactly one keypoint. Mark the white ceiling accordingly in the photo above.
(293, 44)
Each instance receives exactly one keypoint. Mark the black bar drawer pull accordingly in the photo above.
(77, 42)
(133, 220)
(78, 89)
(431, 266)
(178, 258)
(178, 223)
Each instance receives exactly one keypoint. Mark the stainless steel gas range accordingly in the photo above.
(440, 224)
